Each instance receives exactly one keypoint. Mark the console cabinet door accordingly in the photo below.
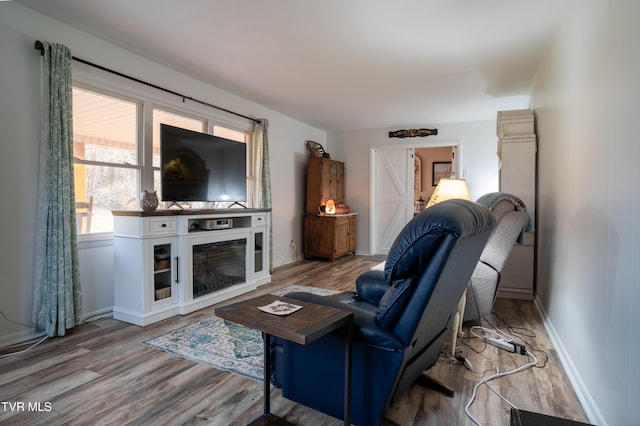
(352, 234)
(165, 268)
(329, 237)
(318, 237)
(145, 279)
(261, 247)
(341, 236)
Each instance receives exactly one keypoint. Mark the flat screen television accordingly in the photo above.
(200, 167)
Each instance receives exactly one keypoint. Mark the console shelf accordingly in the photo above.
(170, 262)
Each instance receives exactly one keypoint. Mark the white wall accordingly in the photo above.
(19, 135)
(478, 156)
(587, 103)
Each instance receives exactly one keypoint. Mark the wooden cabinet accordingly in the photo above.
(325, 181)
(329, 236)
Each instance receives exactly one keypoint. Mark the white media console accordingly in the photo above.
(169, 262)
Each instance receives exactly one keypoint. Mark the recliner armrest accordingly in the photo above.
(371, 286)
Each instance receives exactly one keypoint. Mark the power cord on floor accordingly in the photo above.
(494, 335)
(36, 342)
(96, 317)
(505, 340)
(522, 333)
(481, 332)
(33, 343)
(13, 322)
(482, 371)
(486, 380)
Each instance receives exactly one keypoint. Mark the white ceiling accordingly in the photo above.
(339, 64)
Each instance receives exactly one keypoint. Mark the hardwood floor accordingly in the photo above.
(100, 373)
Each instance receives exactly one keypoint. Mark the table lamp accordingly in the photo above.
(448, 189)
(330, 207)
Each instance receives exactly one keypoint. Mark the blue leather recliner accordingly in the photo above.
(401, 317)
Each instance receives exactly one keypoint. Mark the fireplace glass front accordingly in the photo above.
(218, 265)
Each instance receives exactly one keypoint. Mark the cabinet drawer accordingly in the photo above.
(160, 225)
(260, 220)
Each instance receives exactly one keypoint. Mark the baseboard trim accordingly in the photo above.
(591, 409)
(97, 314)
(514, 293)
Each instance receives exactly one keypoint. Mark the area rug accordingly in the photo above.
(223, 344)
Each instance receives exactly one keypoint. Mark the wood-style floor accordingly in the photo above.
(100, 373)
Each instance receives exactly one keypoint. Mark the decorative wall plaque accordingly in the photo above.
(413, 133)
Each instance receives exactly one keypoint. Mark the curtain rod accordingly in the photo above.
(39, 46)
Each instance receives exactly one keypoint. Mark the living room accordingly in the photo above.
(585, 98)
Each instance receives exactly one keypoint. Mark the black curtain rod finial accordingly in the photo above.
(39, 46)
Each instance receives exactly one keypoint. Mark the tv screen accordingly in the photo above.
(200, 167)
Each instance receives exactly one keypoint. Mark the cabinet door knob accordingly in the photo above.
(164, 225)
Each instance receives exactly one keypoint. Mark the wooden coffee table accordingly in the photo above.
(303, 327)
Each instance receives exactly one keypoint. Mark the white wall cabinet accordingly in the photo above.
(517, 153)
(178, 261)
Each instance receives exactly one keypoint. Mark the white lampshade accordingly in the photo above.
(448, 189)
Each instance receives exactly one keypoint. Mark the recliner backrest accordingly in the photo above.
(418, 257)
(404, 282)
(509, 225)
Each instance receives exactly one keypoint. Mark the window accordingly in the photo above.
(234, 135)
(111, 157)
(106, 160)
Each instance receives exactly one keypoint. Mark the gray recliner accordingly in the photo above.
(512, 220)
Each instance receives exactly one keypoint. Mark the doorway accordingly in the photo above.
(393, 191)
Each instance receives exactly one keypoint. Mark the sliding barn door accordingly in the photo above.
(392, 195)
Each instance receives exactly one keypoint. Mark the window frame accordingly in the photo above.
(147, 99)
